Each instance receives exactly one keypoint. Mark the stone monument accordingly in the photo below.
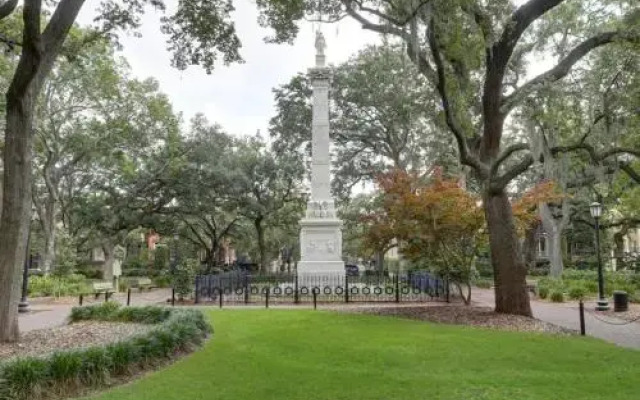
(321, 230)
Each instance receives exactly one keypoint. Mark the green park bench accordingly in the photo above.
(141, 283)
(102, 287)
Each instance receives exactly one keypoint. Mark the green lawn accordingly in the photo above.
(285, 355)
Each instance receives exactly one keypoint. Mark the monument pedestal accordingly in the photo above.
(321, 247)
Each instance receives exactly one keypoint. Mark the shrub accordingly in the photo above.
(484, 284)
(50, 285)
(184, 277)
(162, 281)
(543, 292)
(577, 292)
(591, 286)
(176, 330)
(557, 296)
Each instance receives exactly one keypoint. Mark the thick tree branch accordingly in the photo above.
(593, 154)
(7, 7)
(564, 66)
(498, 184)
(631, 172)
(506, 154)
(520, 20)
(465, 155)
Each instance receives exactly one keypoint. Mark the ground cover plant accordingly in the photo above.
(68, 372)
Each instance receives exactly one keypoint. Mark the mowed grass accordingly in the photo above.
(286, 355)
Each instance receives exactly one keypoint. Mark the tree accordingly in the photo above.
(437, 224)
(272, 192)
(207, 191)
(199, 32)
(579, 136)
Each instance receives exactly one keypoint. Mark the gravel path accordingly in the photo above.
(81, 334)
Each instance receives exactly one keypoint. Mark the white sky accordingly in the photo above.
(239, 96)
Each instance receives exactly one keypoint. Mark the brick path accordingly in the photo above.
(46, 313)
(567, 315)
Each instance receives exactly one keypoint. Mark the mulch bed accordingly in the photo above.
(73, 336)
(456, 314)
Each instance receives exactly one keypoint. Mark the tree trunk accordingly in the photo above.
(16, 206)
(380, 262)
(529, 246)
(554, 230)
(618, 240)
(261, 246)
(509, 270)
(49, 231)
(109, 258)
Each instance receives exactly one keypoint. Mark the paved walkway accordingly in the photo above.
(47, 314)
(567, 315)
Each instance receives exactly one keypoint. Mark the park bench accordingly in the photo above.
(102, 287)
(141, 283)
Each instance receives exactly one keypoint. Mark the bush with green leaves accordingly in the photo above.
(67, 371)
(184, 277)
(52, 285)
(577, 291)
(543, 292)
(556, 296)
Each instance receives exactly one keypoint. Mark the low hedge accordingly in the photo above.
(66, 372)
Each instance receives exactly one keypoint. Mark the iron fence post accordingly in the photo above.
(397, 288)
(173, 297)
(582, 327)
(446, 288)
(221, 293)
(128, 296)
(197, 299)
(346, 288)
(246, 289)
(315, 298)
(266, 298)
(296, 298)
(81, 298)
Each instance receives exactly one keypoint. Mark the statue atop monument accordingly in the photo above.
(321, 44)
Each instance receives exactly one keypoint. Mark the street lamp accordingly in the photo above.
(23, 306)
(596, 212)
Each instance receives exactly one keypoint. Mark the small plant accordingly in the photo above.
(557, 296)
(577, 292)
(543, 292)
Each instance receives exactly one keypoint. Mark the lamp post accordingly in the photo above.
(596, 212)
(23, 306)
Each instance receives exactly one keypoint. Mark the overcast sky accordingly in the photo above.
(239, 96)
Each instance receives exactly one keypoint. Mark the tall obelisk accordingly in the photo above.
(321, 230)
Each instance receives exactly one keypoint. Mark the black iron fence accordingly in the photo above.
(242, 288)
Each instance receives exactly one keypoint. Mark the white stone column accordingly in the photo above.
(321, 230)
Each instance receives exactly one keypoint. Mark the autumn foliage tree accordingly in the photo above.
(440, 226)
